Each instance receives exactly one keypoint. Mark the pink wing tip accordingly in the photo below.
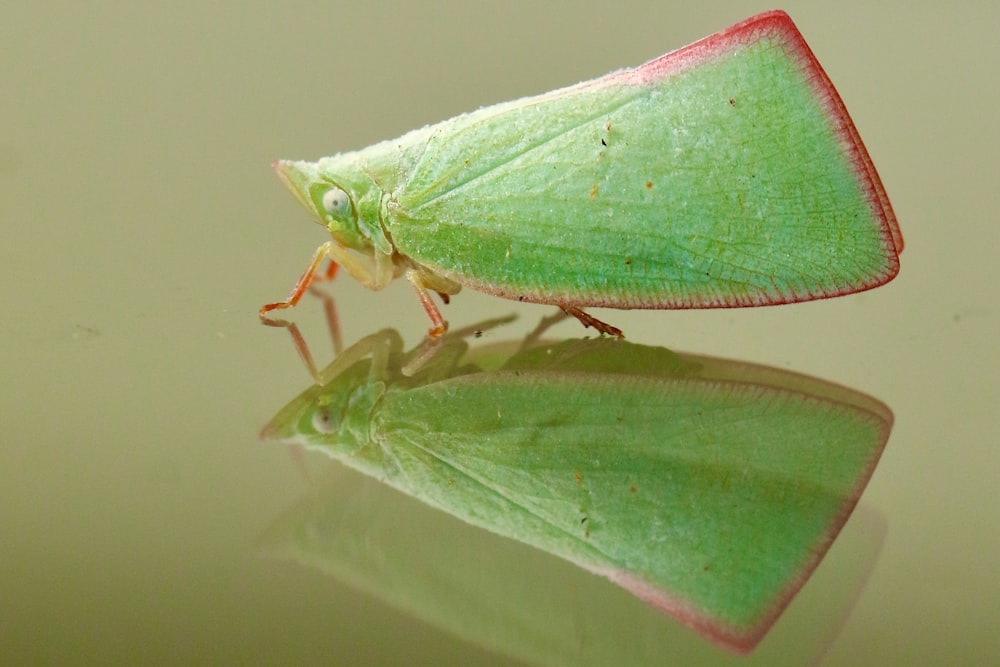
(779, 24)
(775, 21)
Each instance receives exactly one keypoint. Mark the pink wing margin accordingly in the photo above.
(745, 639)
(777, 25)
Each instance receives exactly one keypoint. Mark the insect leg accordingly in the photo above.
(331, 271)
(420, 285)
(591, 321)
(304, 281)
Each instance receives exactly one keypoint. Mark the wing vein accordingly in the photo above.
(538, 143)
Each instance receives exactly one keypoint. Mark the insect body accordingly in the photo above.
(724, 174)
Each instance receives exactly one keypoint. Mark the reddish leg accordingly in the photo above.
(303, 348)
(440, 326)
(331, 271)
(305, 280)
(591, 321)
(333, 322)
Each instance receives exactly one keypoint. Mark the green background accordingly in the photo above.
(141, 228)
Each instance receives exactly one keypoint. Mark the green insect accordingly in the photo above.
(709, 488)
(727, 173)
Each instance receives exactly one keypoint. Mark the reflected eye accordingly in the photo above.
(336, 202)
(322, 420)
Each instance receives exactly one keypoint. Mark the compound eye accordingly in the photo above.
(336, 202)
(322, 420)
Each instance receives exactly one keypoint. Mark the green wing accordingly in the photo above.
(709, 488)
(727, 173)
(712, 500)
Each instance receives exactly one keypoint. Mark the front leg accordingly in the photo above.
(305, 280)
(373, 277)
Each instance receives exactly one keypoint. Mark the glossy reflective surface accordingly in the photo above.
(141, 228)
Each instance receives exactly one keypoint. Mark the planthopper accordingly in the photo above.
(726, 173)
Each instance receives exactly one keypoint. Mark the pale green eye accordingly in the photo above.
(336, 202)
(322, 420)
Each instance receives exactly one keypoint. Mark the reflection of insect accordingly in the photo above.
(710, 488)
(726, 173)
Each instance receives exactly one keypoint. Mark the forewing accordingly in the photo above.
(727, 173)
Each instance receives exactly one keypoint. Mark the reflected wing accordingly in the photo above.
(712, 500)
